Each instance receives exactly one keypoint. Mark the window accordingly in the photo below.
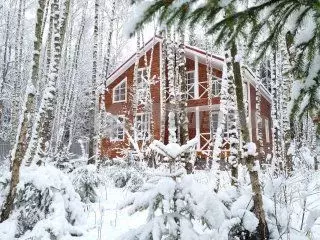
(216, 86)
(215, 120)
(265, 74)
(120, 91)
(190, 85)
(266, 124)
(259, 126)
(142, 126)
(118, 130)
(142, 77)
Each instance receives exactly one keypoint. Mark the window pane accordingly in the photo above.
(190, 85)
(142, 126)
(215, 118)
(120, 92)
(216, 87)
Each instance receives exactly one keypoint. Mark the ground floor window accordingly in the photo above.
(118, 129)
(142, 126)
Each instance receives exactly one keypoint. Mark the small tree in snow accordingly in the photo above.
(177, 198)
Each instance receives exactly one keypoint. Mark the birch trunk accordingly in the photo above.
(93, 105)
(68, 104)
(183, 117)
(42, 129)
(232, 118)
(17, 82)
(105, 69)
(19, 148)
(5, 62)
(163, 82)
(287, 83)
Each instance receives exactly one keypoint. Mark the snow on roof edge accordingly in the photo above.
(125, 65)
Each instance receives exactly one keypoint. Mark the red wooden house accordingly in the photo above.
(118, 100)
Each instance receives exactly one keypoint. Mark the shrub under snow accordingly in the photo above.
(46, 207)
(86, 180)
(172, 205)
(122, 174)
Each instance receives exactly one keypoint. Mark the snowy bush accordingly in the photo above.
(46, 207)
(122, 174)
(176, 204)
(86, 180)
(66, 161)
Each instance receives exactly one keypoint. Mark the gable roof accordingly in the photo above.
(190, 51)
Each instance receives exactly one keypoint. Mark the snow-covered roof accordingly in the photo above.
(251, 77)
(191, 53)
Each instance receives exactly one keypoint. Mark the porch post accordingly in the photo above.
(198, 127)
(196, 77)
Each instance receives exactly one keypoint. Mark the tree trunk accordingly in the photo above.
(93, 105)
(263, 231)
(19, 148)
(183, 117)
(232, 114)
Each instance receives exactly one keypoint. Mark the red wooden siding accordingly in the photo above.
(115, 148)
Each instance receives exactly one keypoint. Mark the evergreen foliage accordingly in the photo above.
(178, 202)
(47, 206)
(85, 181)
(298, 22)
(123, 175)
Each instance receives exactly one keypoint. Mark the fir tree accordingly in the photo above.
(264, 16)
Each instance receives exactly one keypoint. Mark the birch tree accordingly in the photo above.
(19, 148)
(183, 117)
(93, 105)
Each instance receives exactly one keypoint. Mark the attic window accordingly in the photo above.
(120, 91)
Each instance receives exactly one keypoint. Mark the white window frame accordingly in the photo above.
(258, 118)
(115, 89)
(141, 70)
(267, 130)
(117, 139)
(189, 86)
(136, 127)
(216, 81)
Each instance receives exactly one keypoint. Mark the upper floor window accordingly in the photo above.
(216, 87)
(118, 130)
(142, 126)
(190, 84)
(259, 125)
(142, 78)
(266, 124)
(120, 91)
(265, 74)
